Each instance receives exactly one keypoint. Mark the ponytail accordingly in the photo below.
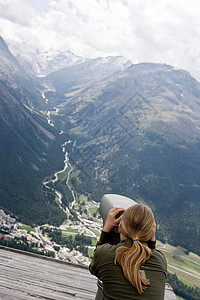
(130, 259)
(137, 221)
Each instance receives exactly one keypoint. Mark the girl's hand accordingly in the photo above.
(111, 220)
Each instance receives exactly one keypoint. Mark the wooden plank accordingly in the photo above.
(61, 277)
(30, 277)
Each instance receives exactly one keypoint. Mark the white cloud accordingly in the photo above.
(164, 31)
(16, 11)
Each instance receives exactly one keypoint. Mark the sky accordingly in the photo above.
(159, 31)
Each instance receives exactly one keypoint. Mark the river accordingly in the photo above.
(54, 178)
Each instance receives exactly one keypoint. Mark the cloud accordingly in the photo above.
(16, 11)
(93, 27)
(164, 31)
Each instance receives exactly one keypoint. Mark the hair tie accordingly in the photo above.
(135, 240)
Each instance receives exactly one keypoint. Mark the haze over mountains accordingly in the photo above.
(135, 130)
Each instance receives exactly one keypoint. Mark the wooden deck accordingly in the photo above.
(25, 276)
(28, 276)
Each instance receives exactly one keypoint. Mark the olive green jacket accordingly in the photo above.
(115, 285)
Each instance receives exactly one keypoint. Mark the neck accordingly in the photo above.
(122, 237)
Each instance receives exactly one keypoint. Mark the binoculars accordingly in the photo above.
(109, 201)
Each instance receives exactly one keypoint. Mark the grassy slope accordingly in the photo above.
(186, 266)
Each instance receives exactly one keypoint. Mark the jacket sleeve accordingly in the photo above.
(104, 238)
(94, 265)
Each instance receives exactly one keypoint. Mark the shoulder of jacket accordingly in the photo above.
(105, 252)
(157, 252)
(159, 255)
(106, 247)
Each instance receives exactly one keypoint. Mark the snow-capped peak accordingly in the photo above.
(43, 62)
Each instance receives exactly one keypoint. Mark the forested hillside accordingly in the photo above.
(134, 130)
(137, 134)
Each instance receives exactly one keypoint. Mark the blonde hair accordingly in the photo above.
(137, 223)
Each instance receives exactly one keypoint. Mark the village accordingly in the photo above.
(17, 235)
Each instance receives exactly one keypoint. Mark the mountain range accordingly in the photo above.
(42, 62)
(135, 131)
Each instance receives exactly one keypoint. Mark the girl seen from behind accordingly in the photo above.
(132, 269)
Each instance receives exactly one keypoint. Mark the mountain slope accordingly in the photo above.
(82, 76)
(26, 141)
(138, 134)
